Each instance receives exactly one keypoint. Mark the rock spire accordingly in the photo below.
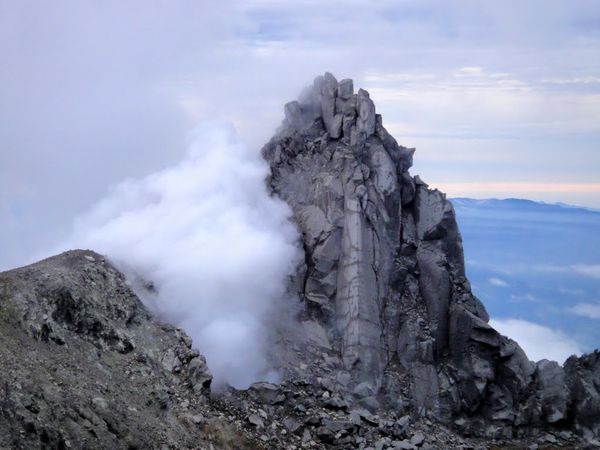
(383, 286)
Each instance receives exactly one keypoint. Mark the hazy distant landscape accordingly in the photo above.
(535, 264)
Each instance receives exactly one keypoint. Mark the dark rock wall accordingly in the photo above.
(384, 274)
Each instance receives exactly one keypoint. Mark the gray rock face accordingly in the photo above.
(583, 380)
(384, 276)
(85, 365)
(553, 390)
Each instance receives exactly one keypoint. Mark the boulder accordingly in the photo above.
(264, 392)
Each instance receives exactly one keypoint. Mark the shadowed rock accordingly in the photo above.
(384, 276)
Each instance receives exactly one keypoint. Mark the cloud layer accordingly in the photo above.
(93, 92)
(215, 245)
(535, 262)
(589, 310)
(538, 341)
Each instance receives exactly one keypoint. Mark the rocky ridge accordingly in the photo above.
(85, 365)
(386, 300)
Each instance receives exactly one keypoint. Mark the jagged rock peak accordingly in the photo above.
(334, 107)
(387, 306)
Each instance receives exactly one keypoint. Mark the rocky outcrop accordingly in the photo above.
(85, 365)
(583, 381)
(384, 287)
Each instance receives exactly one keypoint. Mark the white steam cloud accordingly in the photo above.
(216, 246)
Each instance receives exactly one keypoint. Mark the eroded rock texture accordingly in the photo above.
(83, 364)
(386, 301)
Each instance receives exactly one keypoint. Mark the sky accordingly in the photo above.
(536, 267)
(501, 99)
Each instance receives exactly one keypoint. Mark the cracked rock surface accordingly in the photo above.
(384, 282)
(84, 365)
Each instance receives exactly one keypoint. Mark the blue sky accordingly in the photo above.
(501, 99)
(537, 269)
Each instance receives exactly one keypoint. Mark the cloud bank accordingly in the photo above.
(538, 341)
(93, 92)
(212, 241)
(589, 310)
(499, 282)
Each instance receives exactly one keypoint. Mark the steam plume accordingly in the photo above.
(211, 239)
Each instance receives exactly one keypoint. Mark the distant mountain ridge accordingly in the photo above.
(517, 203)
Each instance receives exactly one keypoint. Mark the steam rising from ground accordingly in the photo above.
(216, 246)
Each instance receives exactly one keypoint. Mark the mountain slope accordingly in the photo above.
(85, 365)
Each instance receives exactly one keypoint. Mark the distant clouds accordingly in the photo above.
(589, 310)
(590, 270)
(494, 281)
(581, 270)
(95, 92)
(575, 80)
(517, 298)
(548, 257)
(508, 187)
(539, 342)
(509, 105)
(585, 270)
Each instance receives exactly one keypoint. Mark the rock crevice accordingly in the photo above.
(385, 277)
